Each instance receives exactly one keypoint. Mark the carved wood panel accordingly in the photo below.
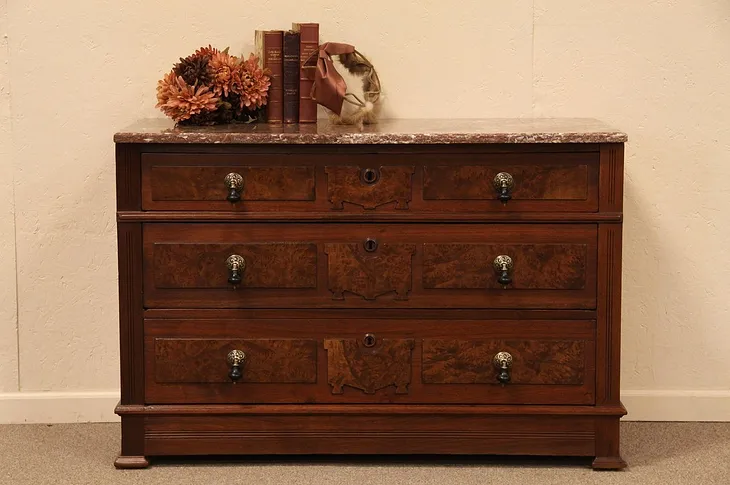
(541, 362)
(268, 265)
(536, 266)
(345, 185)
(179, 360)
(350, 363)
(474, 182)
(205, 183)
(369, 275)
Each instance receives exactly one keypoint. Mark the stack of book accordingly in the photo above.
(291, 57)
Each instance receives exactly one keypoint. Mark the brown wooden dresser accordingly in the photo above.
(419, 287)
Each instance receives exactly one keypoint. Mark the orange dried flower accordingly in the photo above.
(255, 84)
(179, 100)
(226, 72)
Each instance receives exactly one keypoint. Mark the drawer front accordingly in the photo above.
(198, 182)
(370, 266)
(329, 360)
(369, 183)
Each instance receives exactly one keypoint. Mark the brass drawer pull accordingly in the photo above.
(503, 265)
(235, 359)
(234, 184)
(236, 264)
(503, 362)
(503, 184)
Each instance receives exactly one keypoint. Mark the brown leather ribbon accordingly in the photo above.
(329, 87)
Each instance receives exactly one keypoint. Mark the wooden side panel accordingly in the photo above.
(131, 324)
(609, 314)
(280, 361)
(536, 362)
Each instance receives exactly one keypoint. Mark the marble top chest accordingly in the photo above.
(418, 287)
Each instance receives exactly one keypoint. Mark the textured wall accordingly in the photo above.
(658, 69)
(8, 320)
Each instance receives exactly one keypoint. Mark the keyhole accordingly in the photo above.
(369, 340)
(370, 245)
(369, 176)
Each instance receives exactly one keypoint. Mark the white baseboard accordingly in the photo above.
(98, 406)
(677, 405)
(58, 407)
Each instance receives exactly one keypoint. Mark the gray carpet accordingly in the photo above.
(658, 454)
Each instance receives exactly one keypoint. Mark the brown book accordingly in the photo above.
(291, 77)
(269, 46)
(308, 48)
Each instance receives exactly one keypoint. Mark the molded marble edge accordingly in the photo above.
(408, 132)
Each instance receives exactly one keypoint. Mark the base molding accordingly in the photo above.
(58, 407)
(676, 405)
(98, 406)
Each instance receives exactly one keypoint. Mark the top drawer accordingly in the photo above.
(400, 183)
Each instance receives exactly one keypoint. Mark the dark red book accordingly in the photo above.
(291, 77)
(269, 46)
(308, 48)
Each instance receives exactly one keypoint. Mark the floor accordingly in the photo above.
(657, 453)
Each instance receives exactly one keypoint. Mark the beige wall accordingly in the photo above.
(660, 70)
(8, 316)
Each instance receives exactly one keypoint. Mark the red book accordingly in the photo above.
(269, 46)
(308, 48)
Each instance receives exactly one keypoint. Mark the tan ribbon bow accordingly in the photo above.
(329, 87)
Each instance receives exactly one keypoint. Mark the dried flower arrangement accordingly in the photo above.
(211, 87)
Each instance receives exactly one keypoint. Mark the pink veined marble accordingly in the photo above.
(405, 131)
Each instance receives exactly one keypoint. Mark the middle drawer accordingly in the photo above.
(370, 266)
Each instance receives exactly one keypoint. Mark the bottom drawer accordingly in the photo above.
(370, 361)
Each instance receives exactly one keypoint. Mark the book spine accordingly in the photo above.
(291, 77)
(308, 49)
(273, 60)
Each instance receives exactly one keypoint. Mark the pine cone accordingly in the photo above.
(194, 69)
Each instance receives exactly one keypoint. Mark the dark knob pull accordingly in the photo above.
(236, 264)
(369, 340)
(503, 184)
(234, 184)
(370, 175)
(503, 265)
(235, 359)
(503, 362)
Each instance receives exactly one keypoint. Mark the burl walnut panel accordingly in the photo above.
(474, 182)
(187, 181)
(180, 360)
(206, 183)
(351, 269)
(542, 362)
(536, 266)
(557, 181)
(393, 184)
(350, 363)
(268, 265)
